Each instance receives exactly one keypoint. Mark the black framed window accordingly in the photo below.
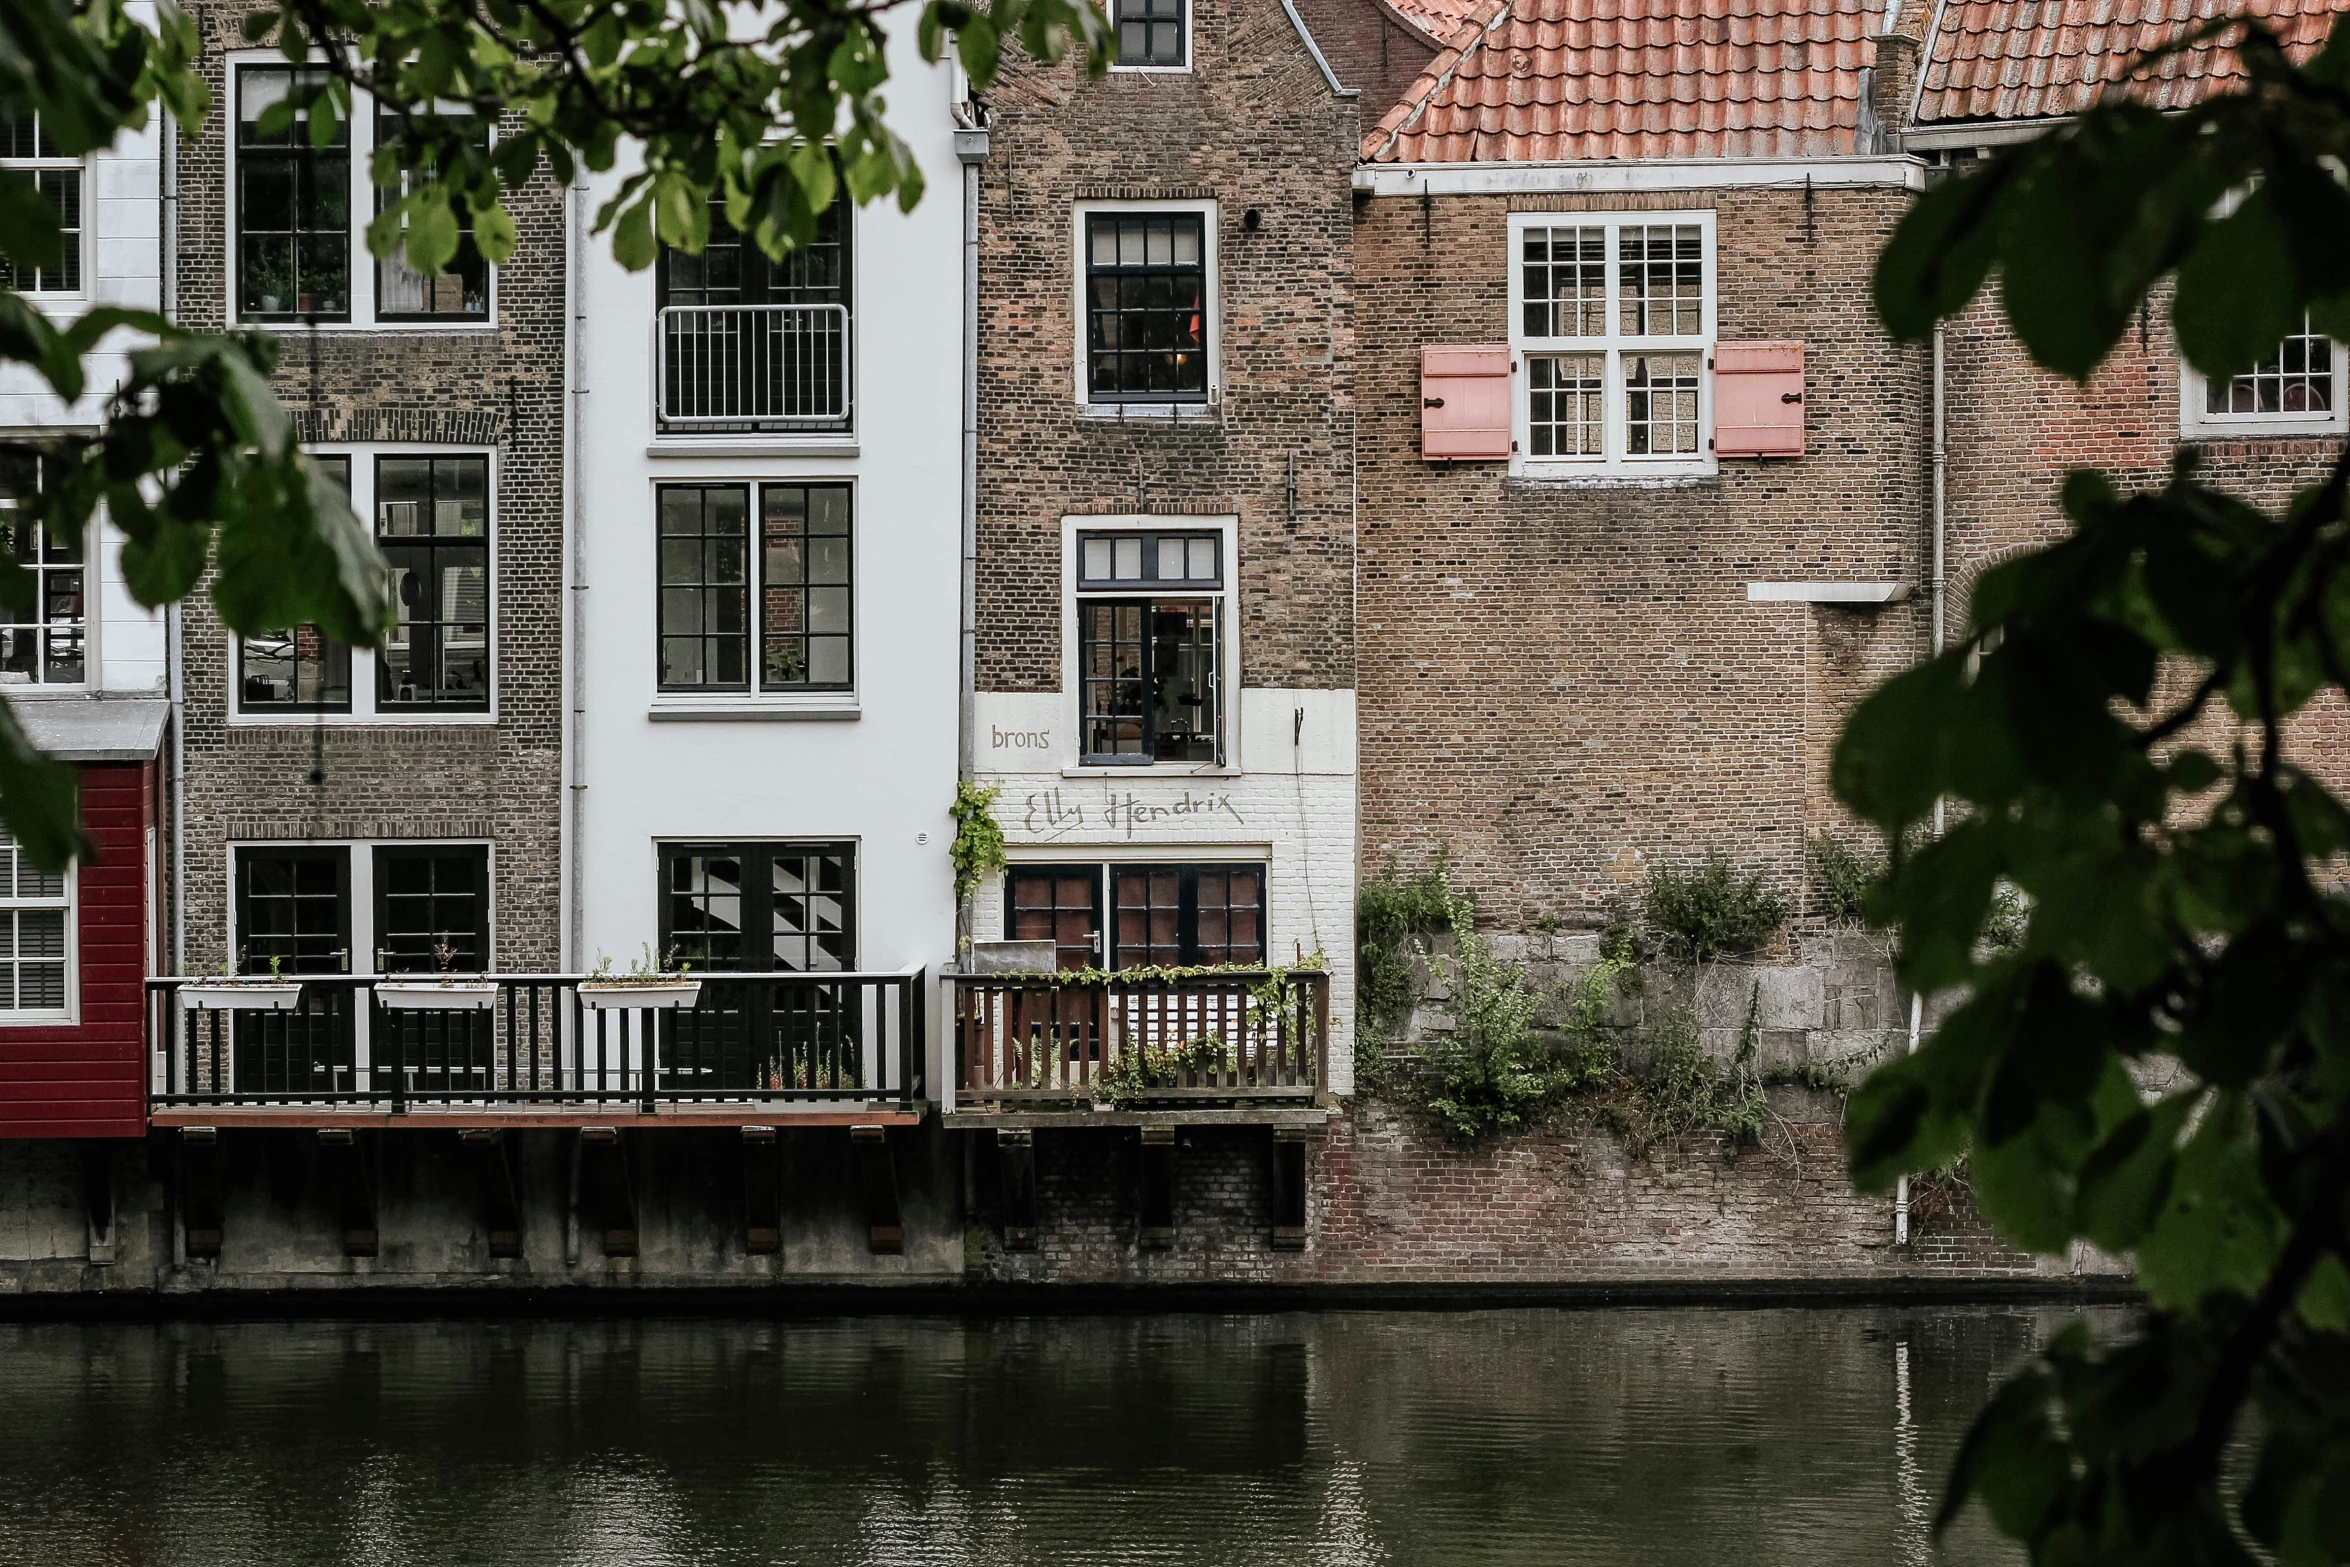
(1149, 617)
(780, 907)
(1061, 904)
(293, 207)
(26, 147)
(432, 522)
(1150, 32)
(46, 645)
(1187, 914)
(801, 579)
(294, 905)
(731, 270)
(297, 671)
(1146, 294)
(432, 908)
(752, 343)
(460, 290)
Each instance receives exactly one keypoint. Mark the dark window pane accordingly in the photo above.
(1146, 287)
(460, 289)
(432, 521)
(805, 610)
(432, 909)
(293, 210)
(705, 544)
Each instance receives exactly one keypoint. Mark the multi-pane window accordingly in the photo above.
(46, 643)
(432, 522)
(1150, 620)
(2297, 379)
(1150, 32)
(27, 147)
(778, 907)
(432, 909)
(800, 578)
(294, 907)
(1146, 307)
(293, 207)
(297, 671)
(1611, 328)
(460, 290)
(1186, 914)
(749, 343)
(34, 910)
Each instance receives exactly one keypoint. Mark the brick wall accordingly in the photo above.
(1564, 684)
(500, 387)
(1252, 126)
(1369, 49)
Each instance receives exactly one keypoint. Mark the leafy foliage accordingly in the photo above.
(195, 461)
(2115, 729)
(978, 850)
(1389, 912)
(1713, 911)
(1844, 872)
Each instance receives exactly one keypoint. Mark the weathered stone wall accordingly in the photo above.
(497, 386)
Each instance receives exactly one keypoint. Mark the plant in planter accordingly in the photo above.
(444, 991)
(645, 983)
(228, 992)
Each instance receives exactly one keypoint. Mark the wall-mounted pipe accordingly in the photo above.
(1941, 460)
(971, 142)
(174, 630)
(574, 825)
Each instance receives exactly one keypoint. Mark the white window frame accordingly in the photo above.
(2196, 421)
(1190, 10)
(362, 208)
(1212, 337)
(84, 238)
(363, 660)
(92, 585)
(68, 900)
(1227, 530)
(1614, 462)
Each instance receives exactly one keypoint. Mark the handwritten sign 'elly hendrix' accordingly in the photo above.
(1054, 813)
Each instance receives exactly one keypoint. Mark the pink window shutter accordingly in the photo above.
(1465, 403)
(1758, 399)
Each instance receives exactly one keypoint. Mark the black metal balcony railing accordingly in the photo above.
(837, 1038)
(1223, 1036)
(753, 367)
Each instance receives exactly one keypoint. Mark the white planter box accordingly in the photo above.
(618, 996)
(431, 995)
(267, 995)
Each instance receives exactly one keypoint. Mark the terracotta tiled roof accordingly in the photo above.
(1548, 80)
(2005, 60)
(1436, 20)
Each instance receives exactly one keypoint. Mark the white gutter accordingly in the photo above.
(1917, 1004)
(574, 634)
(1619, 176)
(174, 632)
(971, 146)
(1987, 133)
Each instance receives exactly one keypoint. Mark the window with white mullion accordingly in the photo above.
(35, 909)
(1611, 324)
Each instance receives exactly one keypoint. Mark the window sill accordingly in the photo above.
(2259, 430)
(1570, 478)
(37, 1019)
(1150, 413)
(362, 720)
(1153, 770)
(292, 326)
(832, 444)
(841, 707)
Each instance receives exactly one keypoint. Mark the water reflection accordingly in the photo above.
(1654, 1437)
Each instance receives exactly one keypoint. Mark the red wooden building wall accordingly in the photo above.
(89, 1078)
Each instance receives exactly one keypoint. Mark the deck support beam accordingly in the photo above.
(762, 1191)
(877, 1182)
(97, 1159)
(1015, 1151)
(200, 1195)
(492, 1154)
(353, 1183)
(1157, 1182)
(611, 1196)
(1289, 1188)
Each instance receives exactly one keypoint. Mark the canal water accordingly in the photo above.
(1633, 1438)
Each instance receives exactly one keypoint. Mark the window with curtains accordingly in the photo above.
(460, 289)
(771, 620)
(1150, 610)
(27, 148)
(36, 911)
(1155, 915)
(2298, 390)
(45, 641)
(432, 523)
(1612, 326)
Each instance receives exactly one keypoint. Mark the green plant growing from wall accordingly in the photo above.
(1842, 873)
(1712, 911)
(1389, 912)
(978, 849)
(1493, 1074)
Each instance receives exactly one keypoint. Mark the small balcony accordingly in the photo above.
(1044, 1040)
(538, 1049)
(752, 368)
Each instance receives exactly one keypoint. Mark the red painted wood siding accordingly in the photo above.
(89, 1078)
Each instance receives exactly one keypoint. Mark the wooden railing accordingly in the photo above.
(1233, 1035)
(857, 1038)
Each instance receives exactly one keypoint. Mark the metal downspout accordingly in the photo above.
(174, 633)
(971, 148)
(575, 574)
(1917, 1005)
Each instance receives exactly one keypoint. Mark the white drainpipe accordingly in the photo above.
(174, 632)
(971, 148)
(575, 572)
(1917, 1005)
